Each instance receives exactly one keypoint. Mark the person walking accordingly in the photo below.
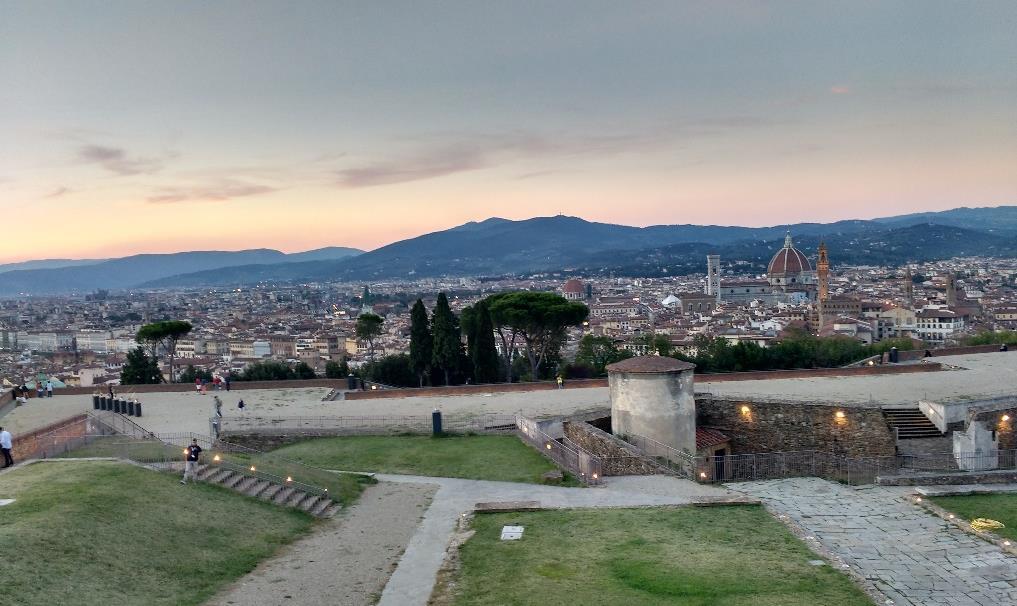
(241, 405)
(561, 382)
(6, 445)
(227, 382)
(218, 407)
(191, 466)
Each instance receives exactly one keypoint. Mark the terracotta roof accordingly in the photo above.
(708, 438)
(788, 260)
(650, 364)
(573, 286)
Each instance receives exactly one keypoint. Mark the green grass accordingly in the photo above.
(475, 457)
(343, 487)
(718, 556)
(114, 534)
(1001, 507)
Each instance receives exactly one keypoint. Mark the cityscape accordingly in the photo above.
(327, 303)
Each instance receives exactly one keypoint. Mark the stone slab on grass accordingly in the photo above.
(507, 506)
(964, 490)
(724, 500)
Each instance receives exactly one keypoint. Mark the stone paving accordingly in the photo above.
(911, 556)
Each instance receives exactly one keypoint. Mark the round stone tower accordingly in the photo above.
(653, 396)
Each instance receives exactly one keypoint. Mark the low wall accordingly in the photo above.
(775, 426)
(950, 479)
(918, 354)
(37, 442)
(759, 375)
(180, 387)
(617, 458)
(1005, 430)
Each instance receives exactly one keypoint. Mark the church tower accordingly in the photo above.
(823, 273)
(909, 289)
(951, 289)
(713, 275)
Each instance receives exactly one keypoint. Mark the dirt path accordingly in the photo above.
(346, 562)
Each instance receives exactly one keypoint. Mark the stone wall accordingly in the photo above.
(617, 458)
(918, 354)
(1005, 430)
(774, 426)
(180, 387)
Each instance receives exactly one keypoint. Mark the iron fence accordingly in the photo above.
(676, 461)
(586, 467)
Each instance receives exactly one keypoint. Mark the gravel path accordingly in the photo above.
(347, 562)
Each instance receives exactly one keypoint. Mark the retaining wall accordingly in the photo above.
(775, 426)
(617, 458)
(28, 445)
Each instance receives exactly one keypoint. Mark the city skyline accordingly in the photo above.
(248, 125)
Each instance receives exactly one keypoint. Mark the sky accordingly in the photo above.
(147, 126)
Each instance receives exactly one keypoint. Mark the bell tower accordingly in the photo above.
(823, 273)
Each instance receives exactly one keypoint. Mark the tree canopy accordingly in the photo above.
(368, 328)
(539, 319)
(447, 339)
(598, 352)
(164, 333)
(140, 369)
(421, 342)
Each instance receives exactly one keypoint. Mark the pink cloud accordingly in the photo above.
(840, 90)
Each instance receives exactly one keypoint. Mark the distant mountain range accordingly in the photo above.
(59, 276)
(497, 246)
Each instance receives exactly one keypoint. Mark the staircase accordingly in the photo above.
(911, 424)
(278, 493)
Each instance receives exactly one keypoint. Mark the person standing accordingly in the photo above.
(561, 382)
(191, 466)
(6, 445)
(49, 389)
(241, 405)
(227, 382)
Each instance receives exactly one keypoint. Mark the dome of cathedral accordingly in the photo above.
(788, 260)
(574, 286)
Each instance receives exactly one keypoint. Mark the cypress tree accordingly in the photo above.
(421, 345)
(486, 364)
(447, 340)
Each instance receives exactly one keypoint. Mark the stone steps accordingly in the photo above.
(911, 423)
(278, 494)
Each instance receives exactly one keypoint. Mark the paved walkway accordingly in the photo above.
(912, 557)
(347, 562)
(413, 580)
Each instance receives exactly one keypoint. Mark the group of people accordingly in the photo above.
(42, 390)
(201, 385)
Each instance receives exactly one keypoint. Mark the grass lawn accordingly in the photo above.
(475, 457)
(1001, 507)
(347, 486)
(716, 556)
(113, 534)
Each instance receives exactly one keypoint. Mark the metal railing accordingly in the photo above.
(676, 461)
(367, 425)
(585, 466)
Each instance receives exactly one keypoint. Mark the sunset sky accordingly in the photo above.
(137, 126)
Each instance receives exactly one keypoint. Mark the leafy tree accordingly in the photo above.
(140, 369)
(1009, 337)
(304, 371)
(447, 338)
(395, 370)
(190, 374)
(368, 328)
(421, 342)
(658, 344)
(596, 353)
(539, 319)
(480, 344)
(337, 370)
(164, 334)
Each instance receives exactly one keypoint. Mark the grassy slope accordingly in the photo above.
(485, 457)
(112, 534)
(730, 556)
(1001, 507)
(347, 486)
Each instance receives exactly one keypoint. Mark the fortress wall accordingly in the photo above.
(774, 426)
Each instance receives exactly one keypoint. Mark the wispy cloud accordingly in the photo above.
(117, 160)
(450, 153)
(213, 192)
(840, 89)
(56, 193)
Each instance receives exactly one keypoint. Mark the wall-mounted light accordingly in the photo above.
(702, 475)
(1006, 417)
(595, 476)
(746, 410)
(839, 414)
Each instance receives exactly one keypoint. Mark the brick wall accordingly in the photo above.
(617, 457)
(30, 445)
(791, 426)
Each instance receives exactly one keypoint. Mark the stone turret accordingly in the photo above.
(653, 396)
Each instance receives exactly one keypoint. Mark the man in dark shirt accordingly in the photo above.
(193, 453)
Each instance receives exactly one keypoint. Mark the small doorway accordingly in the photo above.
(720, 464)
